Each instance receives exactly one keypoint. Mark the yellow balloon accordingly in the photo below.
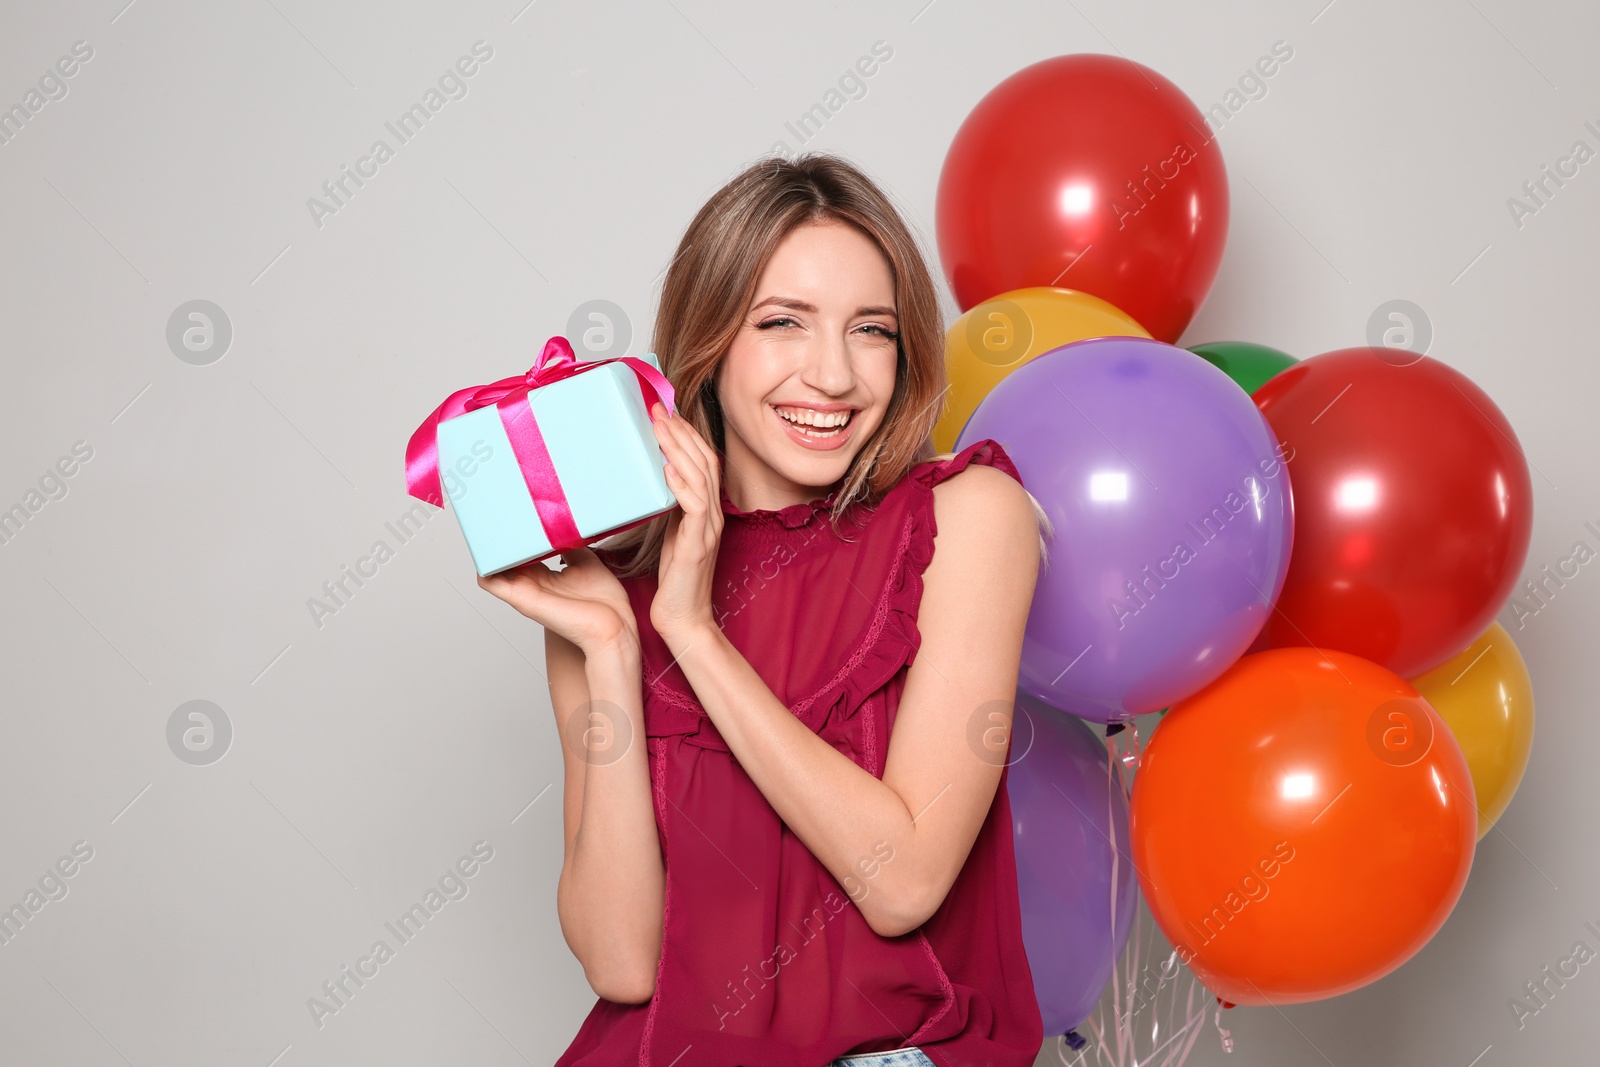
(1485, 696)
(999, 335)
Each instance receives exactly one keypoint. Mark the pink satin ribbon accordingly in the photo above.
(509, 396)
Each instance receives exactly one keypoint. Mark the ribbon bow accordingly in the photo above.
(509, 396)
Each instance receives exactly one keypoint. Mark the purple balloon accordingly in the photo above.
(1172, 513)
(1063, 808)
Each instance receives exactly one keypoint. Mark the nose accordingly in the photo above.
(828, 369)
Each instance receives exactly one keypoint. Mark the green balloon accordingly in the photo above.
(1249, 365)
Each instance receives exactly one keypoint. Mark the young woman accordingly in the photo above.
(785, 713)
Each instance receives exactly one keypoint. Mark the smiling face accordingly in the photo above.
(808, 378)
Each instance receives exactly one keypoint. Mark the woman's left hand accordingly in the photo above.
(682, 602)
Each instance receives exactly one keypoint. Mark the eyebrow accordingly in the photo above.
(801, 305)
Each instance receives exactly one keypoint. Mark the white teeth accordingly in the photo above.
(820, 420)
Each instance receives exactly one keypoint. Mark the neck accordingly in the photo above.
(752, 485)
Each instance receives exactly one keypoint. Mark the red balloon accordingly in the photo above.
(1302, 826)
(1092, 172)
(1413, 508)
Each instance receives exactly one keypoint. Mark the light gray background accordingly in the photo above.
(369, 753)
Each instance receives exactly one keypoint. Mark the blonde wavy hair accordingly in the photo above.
(711, 283)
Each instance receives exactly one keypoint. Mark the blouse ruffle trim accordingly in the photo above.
(792, 517)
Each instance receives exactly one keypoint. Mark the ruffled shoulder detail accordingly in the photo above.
(892, 638)
(987, 452)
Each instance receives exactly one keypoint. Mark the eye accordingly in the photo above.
(883, 331)
(769, 323)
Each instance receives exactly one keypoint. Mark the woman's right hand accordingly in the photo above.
(584, 603)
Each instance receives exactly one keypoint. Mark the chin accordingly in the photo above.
(819, 468)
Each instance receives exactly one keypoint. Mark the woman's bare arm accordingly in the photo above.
(610, 895)
(897, 845)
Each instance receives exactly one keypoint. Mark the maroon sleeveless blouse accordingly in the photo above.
(766, 961)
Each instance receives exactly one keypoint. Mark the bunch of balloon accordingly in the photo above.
(1329, 779)
(1261, 548)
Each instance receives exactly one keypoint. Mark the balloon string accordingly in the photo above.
(1225, 1034)
(1186, 1033)
(1111, 839)
(1174, 1028)
(1116, 854)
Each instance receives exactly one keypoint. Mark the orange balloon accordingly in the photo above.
(1301, 826)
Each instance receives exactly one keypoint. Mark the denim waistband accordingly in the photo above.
(900, 1057)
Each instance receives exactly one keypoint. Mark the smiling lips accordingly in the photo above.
(822, 426)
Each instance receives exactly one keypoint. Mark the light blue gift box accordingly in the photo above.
(601, 443)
